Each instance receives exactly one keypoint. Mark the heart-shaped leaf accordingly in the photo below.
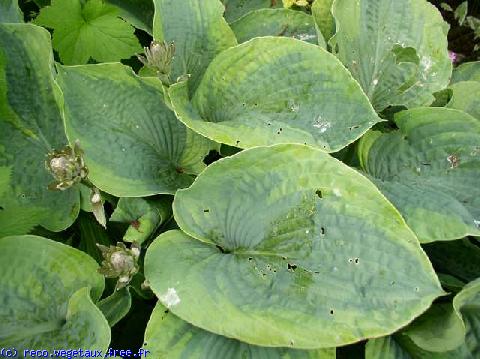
(276, 90)
(397, 50)
(45, 290)
(287, 246)
(277, 22)
(430, 170)
(198, 30)
(31, 128)
(134, 146)
(169, 336)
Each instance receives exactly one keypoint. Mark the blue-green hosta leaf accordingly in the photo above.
(139, 13)
(10, 12)
(199, 31)
(88, 29)
(31, 127)
(406, 345)
(45, 290)
(134, 146)
(430, 170)
(468, 71)
(235, 9)
(276, 90)
(277, 22)
(397, 50)
(465, 97)
(322, 13)
(144, 216)
(287, 246)
(167, 336)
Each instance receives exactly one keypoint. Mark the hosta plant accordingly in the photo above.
(238, 179)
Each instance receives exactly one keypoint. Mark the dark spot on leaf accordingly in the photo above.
(250, 258)
(356, 260)
(135, 224)
(322, 230)
(291, 266)
(221, 249)
(319, 193)
(238, 141)
(353, 127)
(166, 312)
(332, 311)
(179, 170)
(206, 210)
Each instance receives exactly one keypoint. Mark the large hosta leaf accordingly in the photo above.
(45, 290)
(406, 344)
(277, 22)
(31, 127)
(134, 145)
(430, 170)
(276, 90)
(397, 50)
(199, 31)
(235, 9)
(167, 336)
(286, 246)
(465, 97)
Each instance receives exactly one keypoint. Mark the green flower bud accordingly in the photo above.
(119, 262)
(159, 57)
(66, 166)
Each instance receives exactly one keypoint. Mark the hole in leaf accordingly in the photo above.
(291, 266)
(221, 249)
(332, 311)
(319, 193)
(206, 211)
(322, 230)
(356, 260)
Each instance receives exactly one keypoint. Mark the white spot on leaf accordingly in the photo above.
(337, 192)
(170, 298)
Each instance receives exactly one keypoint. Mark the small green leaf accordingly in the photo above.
(277, 22)
(139, 13)
(468, 71)
(88, 30)
(465, 97)
(276, 90)
(461, 12)
(322, 13)
(170, 337)
(45, 302)
(446, 7)
(116, 306)
(10, 12)
(306, 255)
(144, 216)
(429, 168)
(235, 9)
(459, 258)
(134, 145)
